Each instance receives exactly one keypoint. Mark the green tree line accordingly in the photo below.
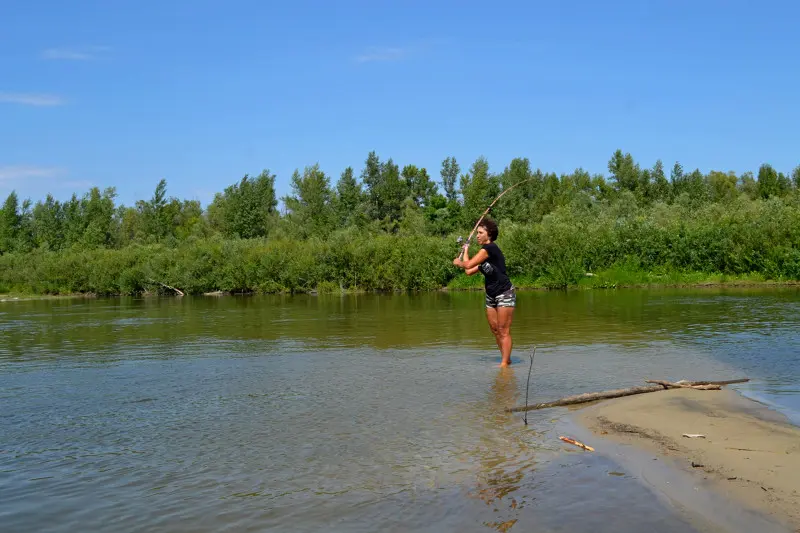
(393, 228)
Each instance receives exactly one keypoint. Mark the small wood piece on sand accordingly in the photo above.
(576, 443)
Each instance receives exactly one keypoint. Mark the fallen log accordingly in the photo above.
(178, 291)
(618, 393)
(725, 382)
(587, 397)
(706, 387)
(684, 385)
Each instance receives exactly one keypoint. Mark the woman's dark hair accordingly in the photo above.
(491, 228)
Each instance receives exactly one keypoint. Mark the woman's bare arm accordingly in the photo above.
(468, 263)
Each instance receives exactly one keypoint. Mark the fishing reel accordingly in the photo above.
(461, 242)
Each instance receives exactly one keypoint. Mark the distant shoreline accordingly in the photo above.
(736, 283)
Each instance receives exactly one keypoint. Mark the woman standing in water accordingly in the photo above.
(501, 297)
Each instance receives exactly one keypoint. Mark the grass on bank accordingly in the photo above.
(620, 277)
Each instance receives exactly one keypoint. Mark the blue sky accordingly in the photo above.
(200, 93)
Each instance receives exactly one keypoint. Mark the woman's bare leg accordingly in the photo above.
(491, 317)
(504, 317)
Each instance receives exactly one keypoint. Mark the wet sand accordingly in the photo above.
(749, 455)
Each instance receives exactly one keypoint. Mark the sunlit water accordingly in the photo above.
(356, 413)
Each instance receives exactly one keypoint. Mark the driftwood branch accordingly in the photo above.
(588, 397)
(726, 382)
(683, 385)
(180, 293)
(618, 393)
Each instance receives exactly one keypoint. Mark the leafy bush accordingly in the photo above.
(620, 241)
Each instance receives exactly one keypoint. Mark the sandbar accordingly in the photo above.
(747, 453)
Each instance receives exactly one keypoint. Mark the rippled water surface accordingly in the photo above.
(355, 413)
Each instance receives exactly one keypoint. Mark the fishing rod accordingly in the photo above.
(477, 225)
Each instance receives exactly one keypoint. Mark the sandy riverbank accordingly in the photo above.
(749, 453)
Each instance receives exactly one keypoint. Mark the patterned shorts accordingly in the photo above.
(506, 299)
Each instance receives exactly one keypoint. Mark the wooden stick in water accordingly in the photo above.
(618, 393)
(577, 443)
(587, 397)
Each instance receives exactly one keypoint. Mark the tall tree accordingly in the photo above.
(784, 184)
(644, 187)
(245, 209)
(185, 218)
(660, 186)
(156, 226)
(48, 224)
(419, 185)
(25, 242)
(624, 171)
(9, 223)
(768, 181)
(551, 193)
(349, 200)
(678, 179)
(478, 189)
(130, 227)
(385, 190)
(697, 188)
(311, 206)
(722, 186)
(372, 179)
(520, 202)
(603, 189)
(392, 193)
(748, 185)
(582, 180)
(450, 171)
(74, 222)
(98, 217)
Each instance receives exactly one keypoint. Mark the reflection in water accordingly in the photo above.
(355, 413)
(503, 458)
(55, 328)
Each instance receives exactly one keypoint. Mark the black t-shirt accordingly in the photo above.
(494, 271)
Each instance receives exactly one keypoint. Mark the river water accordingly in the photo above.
(352, 413)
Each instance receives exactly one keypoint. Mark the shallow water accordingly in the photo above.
(352, 413)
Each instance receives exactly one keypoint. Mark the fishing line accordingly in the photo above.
(477, 224)
(525, 418)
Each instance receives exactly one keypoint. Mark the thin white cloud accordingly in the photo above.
(21, 172)
(86, 53)
(80, 184)
(31, 99)
(382, 54)
(32, 181)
